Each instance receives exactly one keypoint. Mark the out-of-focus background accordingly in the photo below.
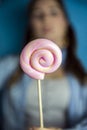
(13, 20)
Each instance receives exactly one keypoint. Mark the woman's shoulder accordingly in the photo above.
(75, 81)
(78, 89)
(8, 58)
(7, 65)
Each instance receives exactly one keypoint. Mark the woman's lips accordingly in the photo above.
(47, 30)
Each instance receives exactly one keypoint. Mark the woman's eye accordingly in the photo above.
(54, 13)
(38, 15)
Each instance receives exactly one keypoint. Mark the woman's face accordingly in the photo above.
(48, 21)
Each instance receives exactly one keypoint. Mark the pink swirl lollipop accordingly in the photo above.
(39, 57)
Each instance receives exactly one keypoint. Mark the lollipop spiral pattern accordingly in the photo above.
(39, 57)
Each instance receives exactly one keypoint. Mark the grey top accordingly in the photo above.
(55, 98)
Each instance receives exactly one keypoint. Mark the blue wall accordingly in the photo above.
(13, 20)
(13, 25)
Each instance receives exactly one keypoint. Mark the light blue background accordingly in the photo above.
(13, 20)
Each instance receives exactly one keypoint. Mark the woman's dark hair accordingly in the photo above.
(72, 63)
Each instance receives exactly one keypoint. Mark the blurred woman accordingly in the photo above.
(63, 92)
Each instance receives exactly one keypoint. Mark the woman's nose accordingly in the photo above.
(46, 18)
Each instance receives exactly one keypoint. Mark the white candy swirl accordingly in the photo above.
(39, 57)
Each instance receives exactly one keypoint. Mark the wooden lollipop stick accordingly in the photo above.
(40, 104)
